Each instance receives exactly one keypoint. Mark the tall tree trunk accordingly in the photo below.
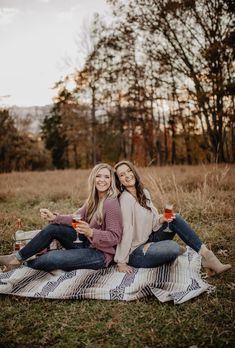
(165, 139)
(173, 146)
(93, 127)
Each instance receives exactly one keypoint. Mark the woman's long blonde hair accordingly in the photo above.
(94, 204)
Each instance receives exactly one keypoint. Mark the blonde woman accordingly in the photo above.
(100, 229)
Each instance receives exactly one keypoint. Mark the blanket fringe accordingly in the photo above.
(211, 289)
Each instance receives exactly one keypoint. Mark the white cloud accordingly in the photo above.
(7, 15)
(64, 16)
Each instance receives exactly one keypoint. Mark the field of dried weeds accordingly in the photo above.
(204, 195)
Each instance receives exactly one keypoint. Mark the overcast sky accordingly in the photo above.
(37, 39)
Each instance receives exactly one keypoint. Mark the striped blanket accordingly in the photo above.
(179, 282)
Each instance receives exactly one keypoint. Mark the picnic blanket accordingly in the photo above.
(179, 281)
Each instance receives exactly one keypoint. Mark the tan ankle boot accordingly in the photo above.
(9, 260)
(213, 265)
(182, 250)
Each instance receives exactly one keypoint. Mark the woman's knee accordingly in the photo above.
(177, 221)
(154, 254)
(47, 232)
(178, 218)
(168, 249)
(174, 248)
(49, 228)
(55, 230)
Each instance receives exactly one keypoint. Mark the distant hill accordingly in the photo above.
(29, 115)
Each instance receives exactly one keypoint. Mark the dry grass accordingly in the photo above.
(204, 195)
(49, 185)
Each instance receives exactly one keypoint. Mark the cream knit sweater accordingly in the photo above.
(138, 224)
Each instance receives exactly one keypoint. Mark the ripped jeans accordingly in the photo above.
(161, 249)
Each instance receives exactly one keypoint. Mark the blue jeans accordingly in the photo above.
(162, 249)
(76, 255)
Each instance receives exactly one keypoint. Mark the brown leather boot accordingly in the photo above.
(213, 265)
(9, 260)
(182, 250)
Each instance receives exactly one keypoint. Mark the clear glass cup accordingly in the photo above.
(75, 220)
(168, 215)
(75, 224)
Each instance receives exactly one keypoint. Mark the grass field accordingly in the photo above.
(204, 195)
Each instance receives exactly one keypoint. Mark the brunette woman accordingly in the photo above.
(145, 242)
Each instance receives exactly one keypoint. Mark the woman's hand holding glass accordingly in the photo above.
(164, 219)
(168, 216)
(84, 228)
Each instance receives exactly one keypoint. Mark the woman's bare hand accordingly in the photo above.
(84, 228)
(123, 267)
(163, 219)
(46, 214)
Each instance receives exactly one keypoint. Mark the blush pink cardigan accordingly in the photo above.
(105, 236)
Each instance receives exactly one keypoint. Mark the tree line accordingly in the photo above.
(19, 149)
(157, 87)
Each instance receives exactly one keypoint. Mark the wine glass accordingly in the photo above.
(75, 220)
(168, 214)
(75, 224)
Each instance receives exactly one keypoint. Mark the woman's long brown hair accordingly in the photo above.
(141, 197)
